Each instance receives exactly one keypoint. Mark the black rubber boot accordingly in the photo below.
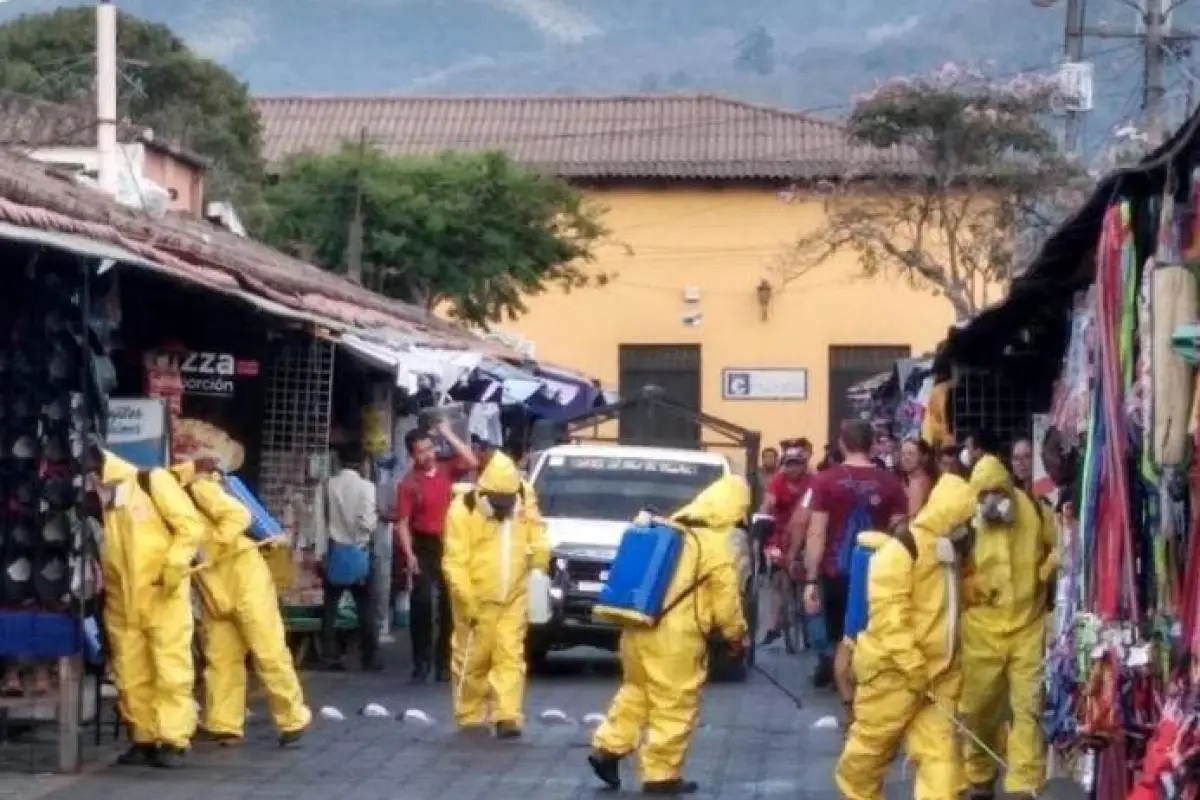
(138, 755)
(607, 768)
(823, 674)
(981, 793)
(507, 729)
(167, 757)
(420, 673)
(289, 738)
(677, 786)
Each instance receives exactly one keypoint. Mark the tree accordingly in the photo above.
(164, 86)
(986, 181)
(472, 230)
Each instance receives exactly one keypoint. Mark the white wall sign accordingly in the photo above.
(767, 383)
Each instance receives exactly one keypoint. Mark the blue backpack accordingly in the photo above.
(857, 607)
(858, 521)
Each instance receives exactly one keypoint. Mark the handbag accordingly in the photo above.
(345, 564)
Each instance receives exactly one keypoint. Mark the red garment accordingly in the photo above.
(423, 498)
(833, 493)
(788, 492)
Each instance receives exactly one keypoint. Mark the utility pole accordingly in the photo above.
(354, 240)
(1076, 11)
(106, 96)
(1159, 40)
(1156, 85)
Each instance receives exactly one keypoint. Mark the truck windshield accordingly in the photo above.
(605, 488)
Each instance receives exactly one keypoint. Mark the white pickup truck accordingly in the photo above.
(588, 494)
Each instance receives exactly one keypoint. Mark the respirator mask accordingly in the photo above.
(498, 505)
(963, 539)
(996, 509)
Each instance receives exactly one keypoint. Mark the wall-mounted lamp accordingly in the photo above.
(764, 292)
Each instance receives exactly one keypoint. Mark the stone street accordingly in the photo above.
(753, 743)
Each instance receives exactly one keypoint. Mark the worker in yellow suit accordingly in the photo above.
(665, 666)
(240, 617)
(151, 532)
(1004, 628)
(493, 542)
(907, 670)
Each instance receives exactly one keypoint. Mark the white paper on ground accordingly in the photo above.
(553, 716)
(826, 723)
(416, 715)
(375, 710)
(331, 713)
(594, 719)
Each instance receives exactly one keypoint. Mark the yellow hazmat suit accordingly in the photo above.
(487, 563)
(150, 540)
(665, 666)
(240, 617)
(1004, 632)
(906, 666)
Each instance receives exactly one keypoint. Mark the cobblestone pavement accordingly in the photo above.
(753, 743)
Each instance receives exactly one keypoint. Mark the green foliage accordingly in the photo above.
(984, 182)
(164, 86)
(471, 230)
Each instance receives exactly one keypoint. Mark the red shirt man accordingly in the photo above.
(784, 492)
(422, 500)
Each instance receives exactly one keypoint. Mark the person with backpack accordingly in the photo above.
(843, 501)
(151, 533)
(906, 666)
(664, 665)
(493, 543)
(239, 617)
(1004, 627)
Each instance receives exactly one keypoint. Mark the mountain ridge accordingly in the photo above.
(813, 56)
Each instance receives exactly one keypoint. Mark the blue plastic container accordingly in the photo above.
(262, 525)
(38, 635)
(641, 574)
(856, 596)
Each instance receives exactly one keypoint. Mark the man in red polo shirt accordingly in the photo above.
(422, 500)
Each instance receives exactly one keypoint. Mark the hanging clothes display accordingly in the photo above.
(1120, 708)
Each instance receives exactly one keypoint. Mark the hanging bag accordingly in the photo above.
(345, 564)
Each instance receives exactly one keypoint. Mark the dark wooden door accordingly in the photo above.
(850, 364)
(674, 368)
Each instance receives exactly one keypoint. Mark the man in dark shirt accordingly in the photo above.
(831, 499)
(422, 500)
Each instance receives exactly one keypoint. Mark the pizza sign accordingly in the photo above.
(203, 372)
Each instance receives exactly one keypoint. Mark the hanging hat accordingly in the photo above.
(63, 491)
(62, 445)
(62, 365)
(18, 534)
(58, 530)
(66, 407)
(16, 588)
(52, 579)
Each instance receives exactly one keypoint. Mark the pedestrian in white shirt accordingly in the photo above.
(347, 519)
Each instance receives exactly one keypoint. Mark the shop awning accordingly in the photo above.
(79, 245)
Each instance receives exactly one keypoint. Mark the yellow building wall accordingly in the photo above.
(724, 242)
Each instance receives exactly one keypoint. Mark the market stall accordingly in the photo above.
(1100, 335)
(55, 366)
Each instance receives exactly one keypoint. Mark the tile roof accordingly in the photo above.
(36, 196)
(31, 123)
(679, 137)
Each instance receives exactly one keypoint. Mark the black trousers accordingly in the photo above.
(835, 592)
(424, 616)
(364, 605)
